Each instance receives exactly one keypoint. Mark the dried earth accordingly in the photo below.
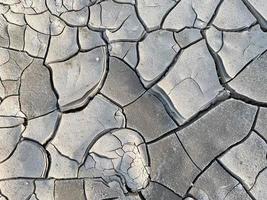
(133, 99)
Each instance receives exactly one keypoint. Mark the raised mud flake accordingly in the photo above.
(42, 128)
(252, 81)
(246, 45)
(36, 94)
(247, 159)
(122, 84)
(261, 124)
(157, 52)
(79, 77)
(28, 160)
(119, 155)
(61, 166)
(156, 191)
(152, 12)
(17, 189)
(148, 116)
(69, 189)
(191, 85)
(216, 184)
(63, 46)
(168, 155)
(9, 137)
(225, 125)
(233, 15)
(118, 20)
(99, 115)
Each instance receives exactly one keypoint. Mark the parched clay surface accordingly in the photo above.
(133, 100)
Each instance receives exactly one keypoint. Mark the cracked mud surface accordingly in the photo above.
(133, 99)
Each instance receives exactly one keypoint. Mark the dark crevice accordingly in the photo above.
(260, 135)
(256, 178)
(187, 152)
(238, 179)
(225, 151)
(63, 155)
(246, 65)
(261, 20)
(197, 117)
(141, 196)
(56, 127)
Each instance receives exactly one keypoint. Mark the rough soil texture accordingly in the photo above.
(133, 99)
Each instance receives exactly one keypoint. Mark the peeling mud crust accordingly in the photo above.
(133, 99)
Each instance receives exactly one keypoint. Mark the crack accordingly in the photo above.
(241, 29)
(260, 135)
(1, 194)
(165, 72)
(261, 20)
(243, 98)
(167, 13)
(221, 73)
(141, 196)
(256, 178)
(139, 17)
(50, 71)
(42, 148)
(118, 105)
(187, 153)
(15, 148)
(215, 13)
(237, 178)
(63, 155)
(197, 117)
(225, 151)
(246, 65)
(230, 191)
(84, 193)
